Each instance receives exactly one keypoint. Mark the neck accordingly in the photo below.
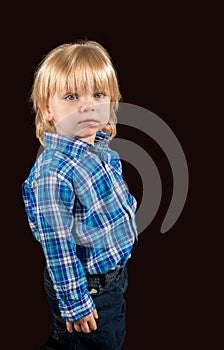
(88, 139)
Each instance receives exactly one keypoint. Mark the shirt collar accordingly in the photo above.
(75, 146)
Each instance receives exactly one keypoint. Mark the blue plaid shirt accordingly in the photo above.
(79, 208)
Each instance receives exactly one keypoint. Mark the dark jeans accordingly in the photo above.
(108, 296)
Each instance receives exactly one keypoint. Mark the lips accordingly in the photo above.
(86, 121)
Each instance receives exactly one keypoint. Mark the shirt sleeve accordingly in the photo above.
(55, 198)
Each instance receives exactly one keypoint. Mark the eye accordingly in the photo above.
(71, 97)
(99, 95)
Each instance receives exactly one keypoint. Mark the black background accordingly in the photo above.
(166, 59)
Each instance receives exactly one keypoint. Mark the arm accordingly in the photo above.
(54, 216)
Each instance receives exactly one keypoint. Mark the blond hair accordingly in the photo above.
(74, 67)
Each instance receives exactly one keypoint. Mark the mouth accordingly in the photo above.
(88, 121)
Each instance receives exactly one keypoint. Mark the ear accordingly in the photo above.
(49, 115)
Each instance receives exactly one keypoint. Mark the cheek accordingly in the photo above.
(60, 109)
(103, 112)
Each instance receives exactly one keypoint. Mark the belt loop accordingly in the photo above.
(103, 280)
(119, 274)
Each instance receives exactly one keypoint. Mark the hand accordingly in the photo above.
(85, 324)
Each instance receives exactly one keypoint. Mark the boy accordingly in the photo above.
(78, 205)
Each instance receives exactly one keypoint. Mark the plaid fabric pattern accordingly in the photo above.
(80, 210)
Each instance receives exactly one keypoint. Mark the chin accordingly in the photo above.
(88, 132)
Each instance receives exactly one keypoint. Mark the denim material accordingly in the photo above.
(108, 294)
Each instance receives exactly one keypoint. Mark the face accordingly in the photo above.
(79, 115)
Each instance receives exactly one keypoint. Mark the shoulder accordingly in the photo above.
(51, 164)
(113, 154)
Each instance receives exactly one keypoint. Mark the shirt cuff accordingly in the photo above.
(72, 310)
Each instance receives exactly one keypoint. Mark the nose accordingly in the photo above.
(86, 105)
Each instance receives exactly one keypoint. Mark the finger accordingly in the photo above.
(69, 326)
(95, 313)
(92, 324)
(77, 327)
(85, 327)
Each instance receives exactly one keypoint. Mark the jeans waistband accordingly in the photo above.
(105, 277)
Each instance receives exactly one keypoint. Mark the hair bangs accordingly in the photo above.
(84, 72)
